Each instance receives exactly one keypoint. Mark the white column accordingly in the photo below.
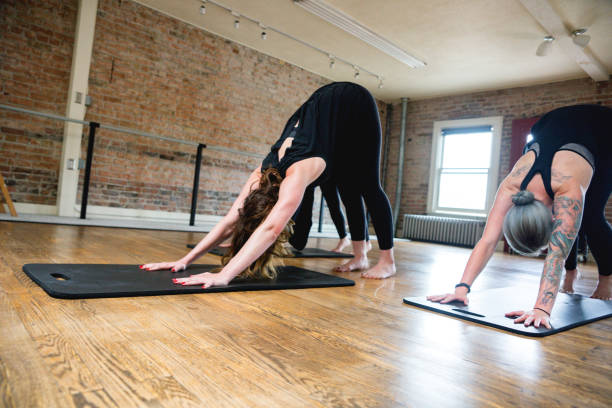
(75, 109)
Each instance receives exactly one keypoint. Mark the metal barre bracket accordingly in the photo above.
(90, 146)
(196, 184)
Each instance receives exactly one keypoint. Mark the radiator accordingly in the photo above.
(443, 230)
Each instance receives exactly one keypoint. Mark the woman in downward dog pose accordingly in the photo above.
(337, 138)
(570, 155)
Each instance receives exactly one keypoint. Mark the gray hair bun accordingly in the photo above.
(523, 197)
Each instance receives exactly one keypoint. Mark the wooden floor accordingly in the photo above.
(332, 347)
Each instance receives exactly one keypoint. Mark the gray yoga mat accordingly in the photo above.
(489, 306)
(79, 281)
(304, 253)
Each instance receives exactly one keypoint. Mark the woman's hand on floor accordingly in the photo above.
(536, 317)
(173, 266)
(205, 279)
(460, 295)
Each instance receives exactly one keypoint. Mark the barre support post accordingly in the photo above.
(90, 146)
(196, 183)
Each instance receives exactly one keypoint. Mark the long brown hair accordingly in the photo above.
(257, 205)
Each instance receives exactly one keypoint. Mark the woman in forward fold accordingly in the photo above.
(570, 155)
(303, 216)
(338, 138)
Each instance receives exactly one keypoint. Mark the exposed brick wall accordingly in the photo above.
(152, 73)
(160, 75)
(36, 39)
(510, 103)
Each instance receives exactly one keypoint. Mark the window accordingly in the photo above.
(465, 161)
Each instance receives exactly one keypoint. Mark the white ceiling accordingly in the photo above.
(468, 45)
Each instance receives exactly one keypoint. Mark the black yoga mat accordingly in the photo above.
(489, 306)
(304, 253)
(79, 281)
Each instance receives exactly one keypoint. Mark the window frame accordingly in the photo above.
(496, 122)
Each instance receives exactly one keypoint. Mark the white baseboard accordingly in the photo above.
(98, 212)
(37, 209)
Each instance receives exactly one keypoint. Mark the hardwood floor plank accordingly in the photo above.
(354, 346)
(25, 378)
(93, 398)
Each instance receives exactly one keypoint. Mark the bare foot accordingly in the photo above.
(603, 290)
(381, 270)
(343, 243)
(360, 261)
(384, 268)
(568, 283)
(355, 264)
(368, 246)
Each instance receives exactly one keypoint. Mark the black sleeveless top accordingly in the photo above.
(583, 129)
(315, 135)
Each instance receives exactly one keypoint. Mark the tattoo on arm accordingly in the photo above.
(567, 215)
(520, 171)
(558, 177)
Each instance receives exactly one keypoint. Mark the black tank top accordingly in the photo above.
(315, 135)
(583, 129)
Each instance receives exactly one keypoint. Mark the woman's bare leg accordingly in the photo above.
(568, 282)
(359, 261)
(342, 243)
(604, 288)
(385, 267)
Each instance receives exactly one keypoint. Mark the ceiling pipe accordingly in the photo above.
(400, 163)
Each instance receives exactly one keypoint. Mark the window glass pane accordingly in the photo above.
(466, 191)
(467, 150)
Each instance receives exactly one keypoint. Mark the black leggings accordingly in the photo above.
(343, 119)
(579, 246)
(332, 199)
(357, 166)
(303, 216)
(594, 226)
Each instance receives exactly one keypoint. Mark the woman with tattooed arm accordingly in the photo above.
(566, 168)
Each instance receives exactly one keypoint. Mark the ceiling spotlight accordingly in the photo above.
(332, 62)
(264, 35)
(236, 19)
(544, 48)
(203, 9)
(356, 73)
(580, 38)
(380, 82)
